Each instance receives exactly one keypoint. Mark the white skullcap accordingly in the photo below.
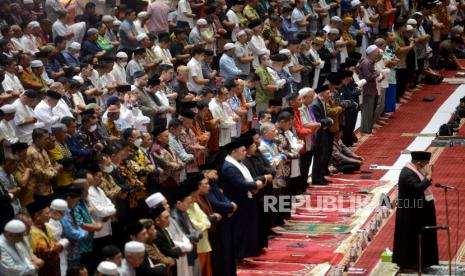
(371, 49)
(418, 13)
(202, 21)
(134, 247)
(305, 91)
(229, 46)
(108, 268)
(59, 205)
(142, 14)
(336, 19)
(121, 55)
(141, 37)
(241, 33)
(33, 24)
(285, 52)
(37, 63)
(154, 200)
(107, 18)
(79, 79)
(334, 31)
(116, 22)
(355, 3)
(75, 45)
(411, 21)
(8, 109)
(28, 2)
(15, 227)
(409, 28)
(457, 29)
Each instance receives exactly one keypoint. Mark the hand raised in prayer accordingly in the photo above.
(37, 262)
(217, 216)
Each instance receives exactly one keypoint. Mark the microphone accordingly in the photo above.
(445, 186)
(436, 227)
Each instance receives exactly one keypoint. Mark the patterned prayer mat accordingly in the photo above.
(326, 228)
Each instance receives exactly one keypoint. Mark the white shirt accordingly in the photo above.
(225, 121)
(119, 73)
(258, 47)
(103, 208)
(59, 29)
(46, 115)
(126, 269)
(62, 109)
(11, 83)
(24, 132)
(297, 16)
(231, 15)
(185, 7)
(195, 70)
(139, 28)
(78, 99)
(29, 43)
(8, 132)
(79, 30)
(295, 61)
(242, 50)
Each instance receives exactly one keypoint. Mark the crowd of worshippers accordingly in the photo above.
(145, 140)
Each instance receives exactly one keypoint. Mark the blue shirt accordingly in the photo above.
(288, 30)
(228, 68)
(70, 60)
(89, 48)
(81, 212)
(74, 233)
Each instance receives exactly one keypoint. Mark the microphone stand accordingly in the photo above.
(448, 232)
(419, 247)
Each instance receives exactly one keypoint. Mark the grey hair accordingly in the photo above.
(380, 42)
(265, 127)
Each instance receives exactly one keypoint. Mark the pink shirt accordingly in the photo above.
(158, 12)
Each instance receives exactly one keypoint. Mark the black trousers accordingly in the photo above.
(320, 159)
(305, 161)
(348, 136)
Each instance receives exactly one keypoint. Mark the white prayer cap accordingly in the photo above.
(79, 79)
(121, 55)
(107, 18)
(202, 21)
(28, 2)
(75, 45)
(8, 109)
(409, 28)
(15, 227)
(305, 91)
(154, 200)
(33, 24)
(371, 49)
(418, 13)
(334, 31)
(336, 19)
(59, 205)
(355, 3)
(411, 21)
(285, 52)
(116, 22)
(241, 33)
(457, 29)
(141, 37)
(108, 268)
(134, 247)
(142, 14)
(229, 46)
(37, 63)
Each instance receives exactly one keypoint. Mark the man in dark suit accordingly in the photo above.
(321, 159)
